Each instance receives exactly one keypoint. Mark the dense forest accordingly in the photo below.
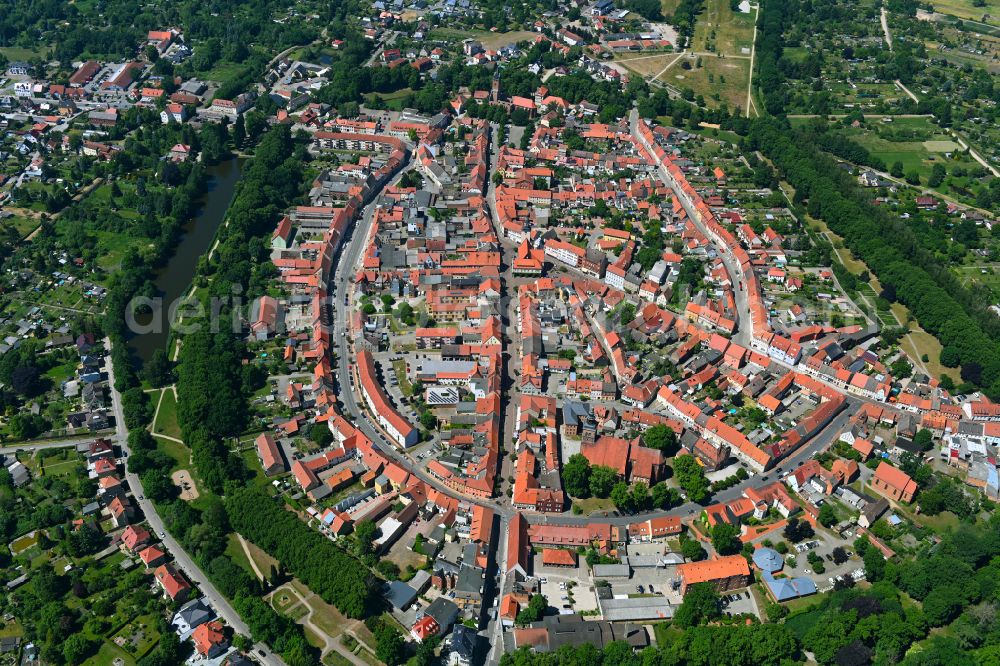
(312, 558)
(113, 29)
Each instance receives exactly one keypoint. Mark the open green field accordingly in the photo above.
(65, 462)
(668, 7)
(23, 225)
(263, 561)
(916, 142)
(795, 53)
(718, 80)
(176, 450)
(111, 248)
(594, 504)
(984, 276)
(965, 9)
(224, 71)
(489, 40)
(19, 53)
(646, 65)
(166, 419)
(721, 30)
(394, 101)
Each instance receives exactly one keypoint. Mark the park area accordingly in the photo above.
(721, 30)
(166, 416)
(718, 80)
(646, 65)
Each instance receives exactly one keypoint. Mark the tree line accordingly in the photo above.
(213, 383)
(886, 246)
(335, 576)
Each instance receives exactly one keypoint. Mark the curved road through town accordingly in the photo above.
(341, 295)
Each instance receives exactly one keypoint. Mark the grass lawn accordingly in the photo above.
(143, 631)
(804, 602)
(725, 78)
(179, 452)
(223, 71)
(64, 463)
(333, 658)
(966, 9)
(368, 658)
(647, 65)
(668, 7)
(111, 248)
(252, 462)
(166, 420)
(61, 372)
(19, 53)
(328, 618)
(296, 614)
(282, 600)
(666, 633)
(919, 342)
(23, 225)
(489, 40)
(236, 553)
(263, 561)
(593, 504)
(394, 101)
(399, 367)
(9, 629)
(107, 654)
(940, 523)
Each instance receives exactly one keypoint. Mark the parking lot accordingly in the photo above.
(565, 586)
(647, 581)
(738, 602)
(823, 545)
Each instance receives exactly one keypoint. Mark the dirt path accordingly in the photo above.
(753, 52)
(253, 562)
(329, 642)
(669, 65)
(885, 28)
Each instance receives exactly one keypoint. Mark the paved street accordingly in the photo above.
(53, 444)
(183, 561)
